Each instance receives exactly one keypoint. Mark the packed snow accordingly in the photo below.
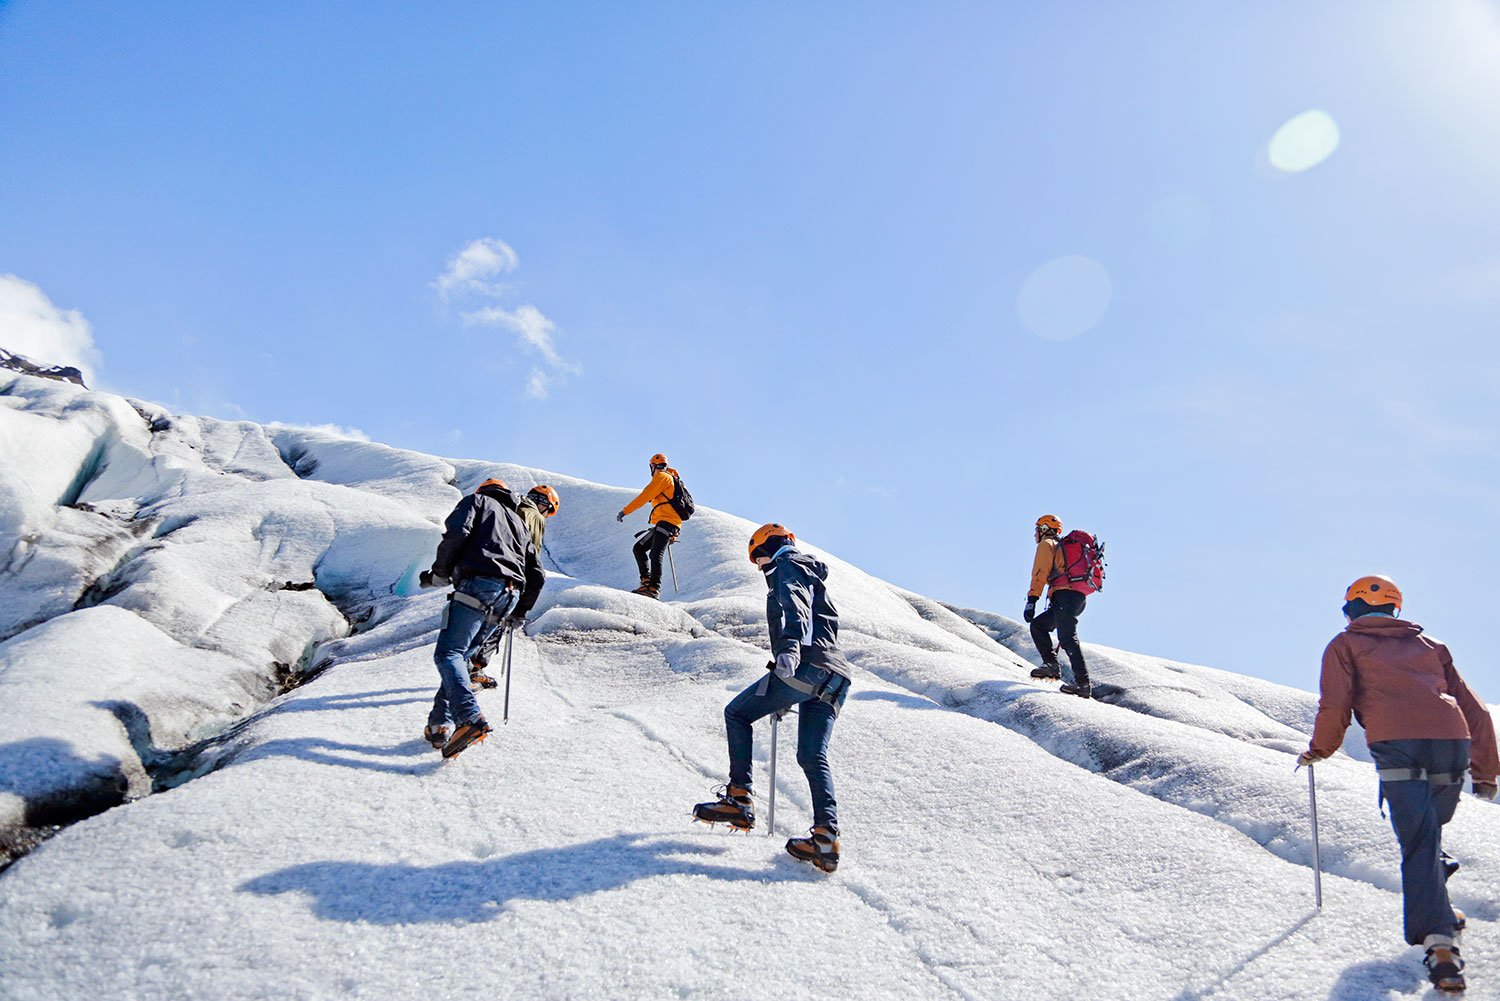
(167, 576)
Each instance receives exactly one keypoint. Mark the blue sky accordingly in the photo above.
(803, 249)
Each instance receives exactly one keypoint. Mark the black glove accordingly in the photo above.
(429, 579)
(1030, 612)
(620, 516)
(514, 621)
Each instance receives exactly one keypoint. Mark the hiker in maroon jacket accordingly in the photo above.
(1425, 728)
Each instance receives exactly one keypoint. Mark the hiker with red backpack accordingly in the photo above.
(671, 505)
(1425, 729)
(1070, 568)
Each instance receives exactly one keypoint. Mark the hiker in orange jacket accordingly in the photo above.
(1065, 604)
(1425, 728)
(664, 521)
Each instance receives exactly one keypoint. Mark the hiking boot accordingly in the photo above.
(1444, 966)
(649, 590)
(437, 736)
(821, 849)
(733, 807)
(468, 733)
(478, 678)
(1460, 920)
(1083, 691)
(1049, 672)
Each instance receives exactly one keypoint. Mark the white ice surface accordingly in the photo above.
(1000, 840)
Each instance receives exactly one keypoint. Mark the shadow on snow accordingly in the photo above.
(479, 891)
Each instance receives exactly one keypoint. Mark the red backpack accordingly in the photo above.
(1082, 562)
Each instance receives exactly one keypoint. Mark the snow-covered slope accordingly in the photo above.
(1001, 840)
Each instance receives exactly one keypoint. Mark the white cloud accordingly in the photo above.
(31, 325)
(528, 323)
(473, 271)
(538, 385)
(475, 268)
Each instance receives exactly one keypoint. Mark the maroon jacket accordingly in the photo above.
(1400, 685)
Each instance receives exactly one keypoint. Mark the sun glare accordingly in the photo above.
(1304, 142)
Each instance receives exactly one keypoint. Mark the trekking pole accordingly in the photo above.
(775, 730)
(509, 644)
(1312, 800)
(672, 563)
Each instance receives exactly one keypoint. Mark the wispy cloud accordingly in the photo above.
(31, 325)
(473, 269)
(537, 333)
(471, 275)
(538, 385)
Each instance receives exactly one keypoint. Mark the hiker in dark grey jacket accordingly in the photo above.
(488, 556)
(808, 672)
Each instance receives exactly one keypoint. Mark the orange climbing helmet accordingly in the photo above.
(1051, 522)
(659, 461)
(491, 482)
(766, 533)
(1375, 590)
(545, 498)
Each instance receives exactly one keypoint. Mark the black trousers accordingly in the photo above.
(649, 549)
(1063, 609)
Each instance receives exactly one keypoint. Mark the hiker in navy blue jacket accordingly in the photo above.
(488, 556)
(809, 672)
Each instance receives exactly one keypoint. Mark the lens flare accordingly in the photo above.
(1064, 297)
(1304, 142)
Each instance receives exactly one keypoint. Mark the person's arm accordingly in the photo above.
(1484, 762)
(455, 530)
(1335, 701)
(1041, 567)
(795, 602)
(653, 491)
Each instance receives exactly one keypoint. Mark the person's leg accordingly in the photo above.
(640, 549)
(766, 696)
(1041, 634)
(1414, 817)
(660, 536)
(453, 644)
(1068, 605)
(814, 731)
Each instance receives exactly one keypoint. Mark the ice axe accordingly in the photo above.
(505, 668)
(1312, 803)
(671, 562)
(775, 730)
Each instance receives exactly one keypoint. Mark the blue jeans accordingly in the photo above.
(1419, 810)
(462, 626)
(814, 731)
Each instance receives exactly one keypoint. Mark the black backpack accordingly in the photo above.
(682, 500)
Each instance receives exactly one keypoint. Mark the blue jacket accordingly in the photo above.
(799, 612)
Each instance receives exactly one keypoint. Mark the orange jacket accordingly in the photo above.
(1049, 561)
(658, 494)
(1400, 685)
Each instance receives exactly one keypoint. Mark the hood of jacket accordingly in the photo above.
(805, 562)
(1382, 625)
